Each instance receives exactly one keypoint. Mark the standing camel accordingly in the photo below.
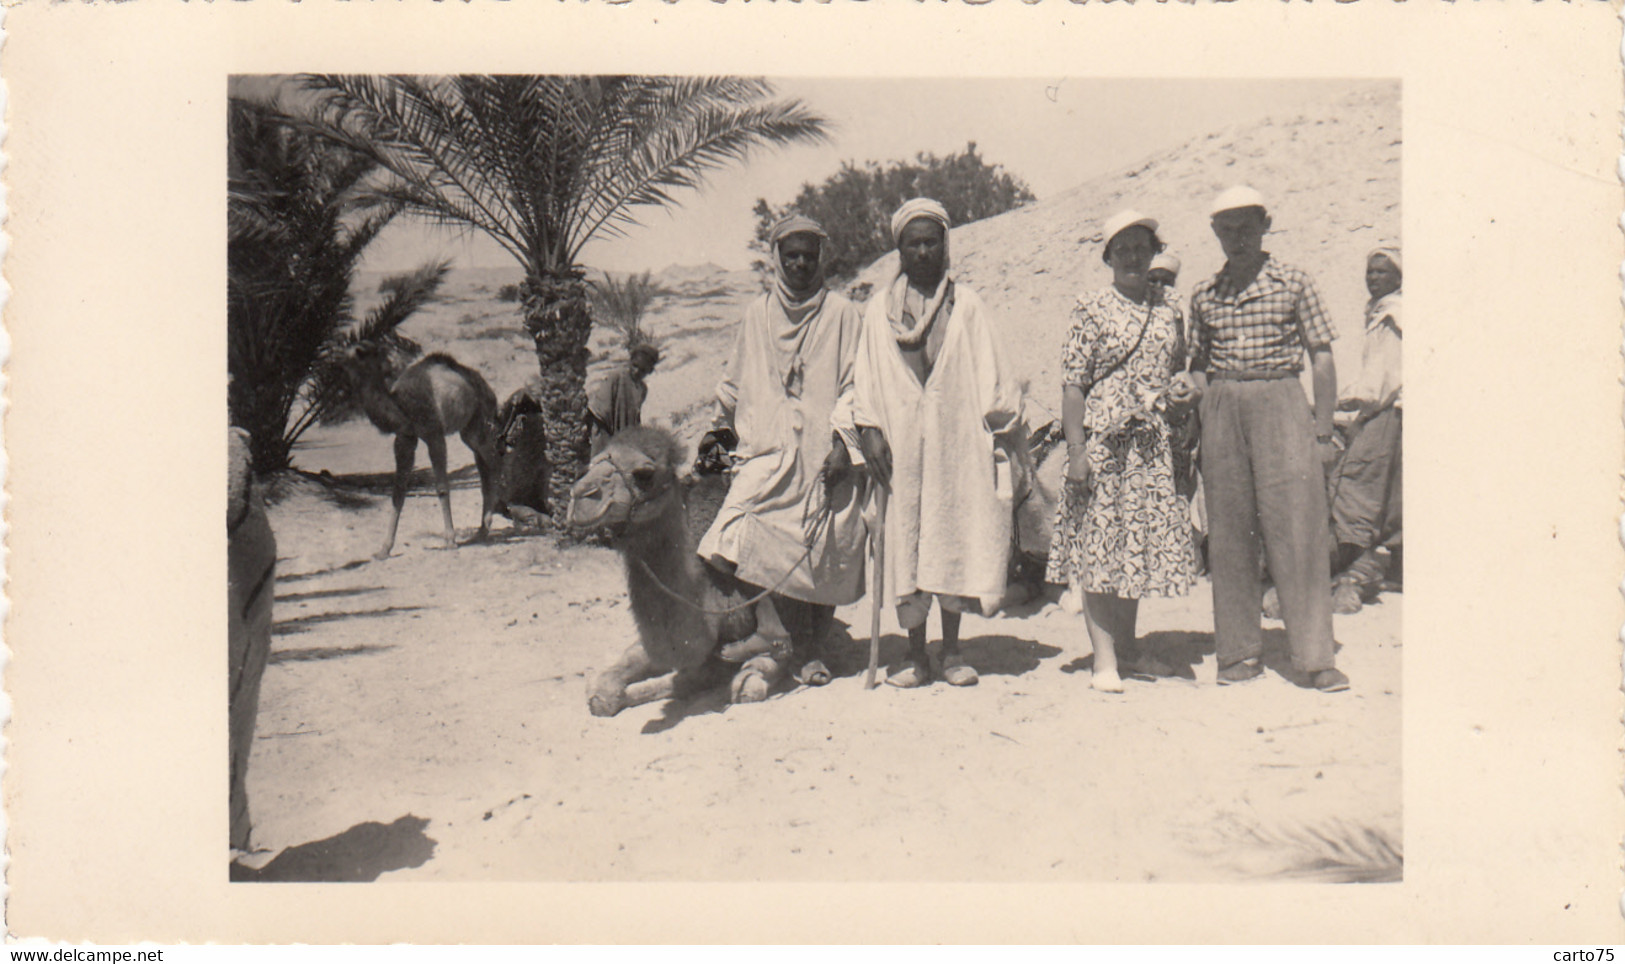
(434, 397)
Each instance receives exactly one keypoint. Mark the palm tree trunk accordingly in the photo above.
(558, 318)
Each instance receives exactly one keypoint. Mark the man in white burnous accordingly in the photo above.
(793, 358)
(938, 417)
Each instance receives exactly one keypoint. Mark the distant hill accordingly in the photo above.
(1332, 176)
(1331, 172)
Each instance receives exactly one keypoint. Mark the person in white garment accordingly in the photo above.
(938, 417)
(792, 359)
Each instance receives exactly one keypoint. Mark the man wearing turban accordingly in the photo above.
(936, 415)
(793, 357)
(1366, 486)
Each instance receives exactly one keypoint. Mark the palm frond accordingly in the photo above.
(678, 148)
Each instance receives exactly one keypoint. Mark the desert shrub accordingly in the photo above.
(855, 204)
(508, 293)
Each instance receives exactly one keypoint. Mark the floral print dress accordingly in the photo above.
(1130, 533)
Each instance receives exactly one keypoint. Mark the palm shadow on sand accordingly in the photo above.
(302, 624)
(421, 479)
(357, 855)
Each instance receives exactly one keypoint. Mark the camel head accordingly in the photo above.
(366, 363)
(631, 483)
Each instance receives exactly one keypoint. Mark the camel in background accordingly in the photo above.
(434, 397)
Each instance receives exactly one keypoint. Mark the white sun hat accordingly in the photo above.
(1120, 222)
(1240, 196)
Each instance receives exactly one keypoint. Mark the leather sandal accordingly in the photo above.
(909, 676)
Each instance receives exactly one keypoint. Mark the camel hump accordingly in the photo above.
(486, 397)
(440, 392)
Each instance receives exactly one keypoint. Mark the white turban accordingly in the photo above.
(1389, 251)
(1167, 262)
(920, 207)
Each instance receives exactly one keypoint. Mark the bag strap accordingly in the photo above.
(1151, 308)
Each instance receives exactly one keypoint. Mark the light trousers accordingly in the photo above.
(1263, 480)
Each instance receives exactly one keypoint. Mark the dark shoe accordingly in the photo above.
(1331, 681)
(1146, 668)
(1243, 672)
(1272, 604)
(1346, 598)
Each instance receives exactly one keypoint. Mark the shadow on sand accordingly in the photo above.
(292, 597)
(301, 624)
(357, 855)
(847, 657)
(994, 655)
(1184, 650)
(312, 653)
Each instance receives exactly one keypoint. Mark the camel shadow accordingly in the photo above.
(712, 699)
(357, 855)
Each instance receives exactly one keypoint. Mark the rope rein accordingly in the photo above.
(730, 609)
(814, 525)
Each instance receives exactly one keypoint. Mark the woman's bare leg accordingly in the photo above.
(1110, 620)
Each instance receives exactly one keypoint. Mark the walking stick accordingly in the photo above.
(877, 551)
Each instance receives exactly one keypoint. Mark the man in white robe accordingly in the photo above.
(937, 416)
(793, 358)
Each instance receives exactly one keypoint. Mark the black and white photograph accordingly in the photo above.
(659, 470)
(1075, 405)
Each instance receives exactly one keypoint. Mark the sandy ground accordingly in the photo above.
(424, 717)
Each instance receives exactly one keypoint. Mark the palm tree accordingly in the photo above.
(545, 164)
(298, 219)
(622, 304)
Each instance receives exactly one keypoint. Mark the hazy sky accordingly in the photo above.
(1053, 134)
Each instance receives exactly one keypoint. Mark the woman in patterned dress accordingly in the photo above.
(1122, 530)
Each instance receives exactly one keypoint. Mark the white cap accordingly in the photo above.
(1122, 221)
(1240, 196)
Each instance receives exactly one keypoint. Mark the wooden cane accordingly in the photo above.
(877, 549)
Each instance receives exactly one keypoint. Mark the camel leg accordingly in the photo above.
(623, 684)
(756, 679)
(437, 459)
(406, 450)
(758, 675)
(490, 468)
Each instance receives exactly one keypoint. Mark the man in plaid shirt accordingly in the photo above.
(1263, 453)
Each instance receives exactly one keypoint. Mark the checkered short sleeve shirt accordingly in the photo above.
(1265, 327)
